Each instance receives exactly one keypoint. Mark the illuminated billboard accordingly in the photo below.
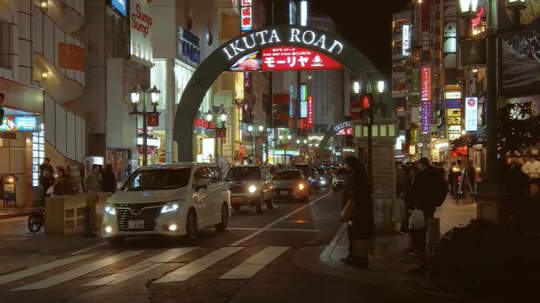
(406, 43)
(285, 58)
(303, 101)
(426, 84)
(12, 123)
(471, 114)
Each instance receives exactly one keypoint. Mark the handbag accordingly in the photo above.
(347, 211)
(416, 221)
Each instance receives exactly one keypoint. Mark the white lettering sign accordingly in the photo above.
(471, 114)
(406, 44)
(452, 95)
(273, 36)
(141, 31)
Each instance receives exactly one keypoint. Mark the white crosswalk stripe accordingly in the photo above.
(80, 271)
(188, 271)
(254, 264)
(41, 268)
(141, 267)
(245, 270)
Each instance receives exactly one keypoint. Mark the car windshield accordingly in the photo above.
(304, 168)
(244, 174)
(158, 179)
(288, 175)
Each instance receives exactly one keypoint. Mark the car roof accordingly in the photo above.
(176, 165)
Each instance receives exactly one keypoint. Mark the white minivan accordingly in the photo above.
(170, 200)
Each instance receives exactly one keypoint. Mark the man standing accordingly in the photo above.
(428, 192)
(91, 181)
(46, 165)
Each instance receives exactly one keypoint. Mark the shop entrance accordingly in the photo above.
(231, 52)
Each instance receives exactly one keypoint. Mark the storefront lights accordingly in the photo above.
(305, 141)
(209, 117)
(280, 137)
(380, 86)
(289, 137)
(516, 4)
(261, 128)
(223, 118)
(250, 128)
(468, 7)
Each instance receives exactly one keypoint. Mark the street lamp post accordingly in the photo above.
(135, 98)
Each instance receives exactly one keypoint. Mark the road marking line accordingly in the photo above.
(141, 267)
(193, 268)
(274, 229)
(41, 268)
(332, 245)
(277, 221)
(254, 264)
(88, 248)
(80, 271)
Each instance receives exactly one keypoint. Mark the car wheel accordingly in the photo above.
(224, 218)
(117, 241)
(191, 226)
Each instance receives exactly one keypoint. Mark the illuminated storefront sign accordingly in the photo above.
(303, 101)
(426, 84)
(270, 37)
(453, 104)
(471, 114)
(310, 112)
(425, 117)
(406, 43)
(188, 46)
(246, 16)
(141, 31)
(12, 123)
(120, 6)
(341, 126)
(452, 95)
(345, 132)
(285, 58)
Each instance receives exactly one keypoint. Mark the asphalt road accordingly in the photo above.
(250, 262)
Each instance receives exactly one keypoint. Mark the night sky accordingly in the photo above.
(366, 24)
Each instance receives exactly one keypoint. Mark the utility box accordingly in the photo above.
(383, 156)
(65, 214)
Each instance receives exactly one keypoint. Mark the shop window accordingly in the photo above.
(38, 153)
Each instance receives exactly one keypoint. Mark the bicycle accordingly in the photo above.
(36, 220)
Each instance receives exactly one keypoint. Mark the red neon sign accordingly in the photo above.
(426, 84)
(285, 58)
(310, 112)
(345, 132)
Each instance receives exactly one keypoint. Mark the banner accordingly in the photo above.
(520, 51)
(471, 114)
(70, 56)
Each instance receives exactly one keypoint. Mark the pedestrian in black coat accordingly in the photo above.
(109, 180)
(357, 190)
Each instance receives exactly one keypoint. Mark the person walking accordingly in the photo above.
(109, 180)
(357, 191)
(91, 182)
(427, 193)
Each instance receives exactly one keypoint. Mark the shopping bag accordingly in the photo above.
(416, 221)
(346, 212)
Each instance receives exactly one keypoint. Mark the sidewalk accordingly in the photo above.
(390, 265)
(6, 213)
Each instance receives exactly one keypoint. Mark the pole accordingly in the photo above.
(145, 135)
(491, 74)
(370, 144)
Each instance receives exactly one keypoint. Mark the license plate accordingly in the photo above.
(136, 224)
(237, 199)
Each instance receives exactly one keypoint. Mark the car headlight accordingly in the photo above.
(301, 186)
(252, 188)
(110, 210)
(170, 208)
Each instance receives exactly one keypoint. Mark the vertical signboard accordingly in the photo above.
(310, 112)
(425, 117)
(425, 83)
(141, 31)
(471, 114)
(246, 16)
(406, 43)
(303, 101)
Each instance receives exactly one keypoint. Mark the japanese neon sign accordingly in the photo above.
(425, 117)
(303, 101)
(246, 16)
(310, 112)
(285, 58)
(426, 84)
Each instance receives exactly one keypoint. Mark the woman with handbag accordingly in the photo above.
(359, 210)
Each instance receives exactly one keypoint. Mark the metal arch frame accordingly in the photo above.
(212, 67)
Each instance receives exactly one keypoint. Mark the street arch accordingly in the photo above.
(225, 56)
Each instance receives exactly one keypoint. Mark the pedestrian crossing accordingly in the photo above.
(79, 266)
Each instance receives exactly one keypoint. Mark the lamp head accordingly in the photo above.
(250, 128)
(44, 5)
(154, 93)
(135, 96)
(261, 128)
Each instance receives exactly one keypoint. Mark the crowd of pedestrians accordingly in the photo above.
(58, 181)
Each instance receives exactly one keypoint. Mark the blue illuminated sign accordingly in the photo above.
(120, 6)
(12, 123)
